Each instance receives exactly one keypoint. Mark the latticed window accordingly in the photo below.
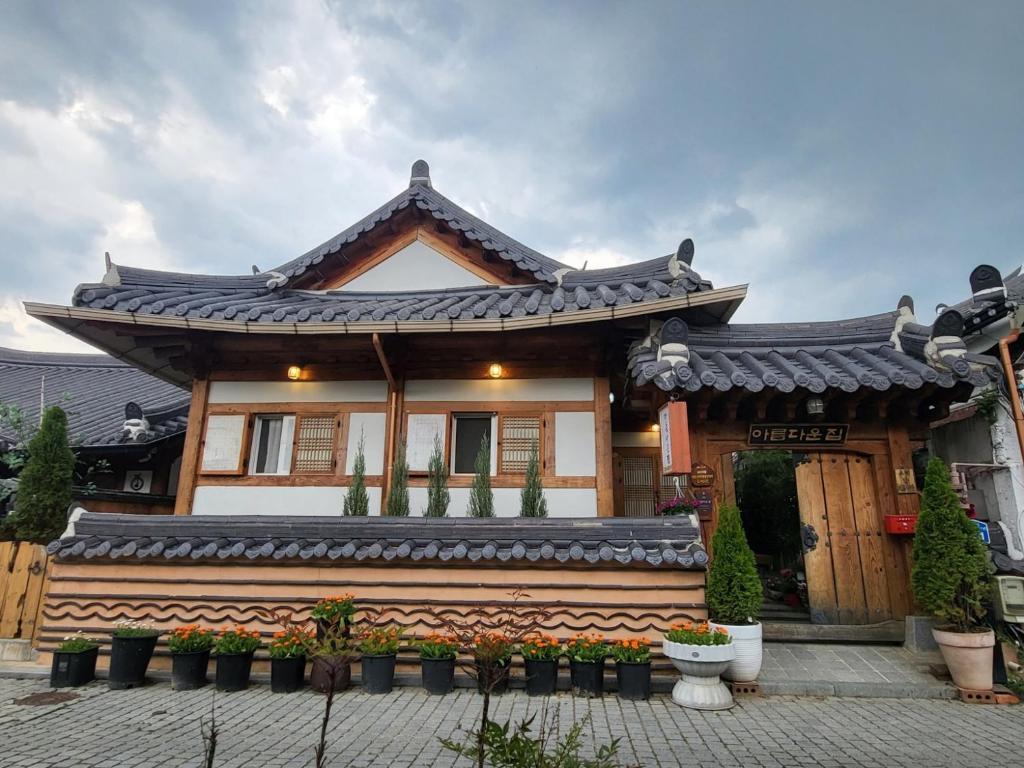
(519, 436)
(315, 441)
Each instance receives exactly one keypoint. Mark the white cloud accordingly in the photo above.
(19, 331)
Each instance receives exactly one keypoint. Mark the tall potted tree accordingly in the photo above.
(438, 496)
(735, 594)
(357, 501)
(481, 497)
(951, 577)
(398, 496)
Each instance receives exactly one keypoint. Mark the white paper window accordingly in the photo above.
(271, 452)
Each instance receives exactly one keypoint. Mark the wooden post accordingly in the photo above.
(603, 440)
(190, 454)
(900, 457)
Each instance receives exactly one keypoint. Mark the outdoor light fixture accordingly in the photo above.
(294, 372)
(611, 397)
(495, 371)
(815, 406)
(655, 427)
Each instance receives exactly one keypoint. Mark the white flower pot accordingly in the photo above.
(747, 640)
(968, 656)
(699, 685)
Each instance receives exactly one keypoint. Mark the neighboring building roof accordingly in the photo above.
(661, 541)
(93, 390)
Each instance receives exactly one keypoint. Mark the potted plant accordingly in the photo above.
(131, 648)
(333, 656)
(540, 657)
(190, 656)
(288, 658)
(735, 594)
(74, 662)
(437, 662)
(633, 668)
(235, 647)
(586, 664)
(951, 578)
(378, 649)
(492, 657)
(700, 653)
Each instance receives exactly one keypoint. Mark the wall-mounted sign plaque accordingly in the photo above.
(905, 481)
(701, 475)
(797, 434)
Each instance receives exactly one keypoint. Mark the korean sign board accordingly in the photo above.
(797, 434)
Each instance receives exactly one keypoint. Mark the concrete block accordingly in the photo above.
(918, 634)
(15, 650)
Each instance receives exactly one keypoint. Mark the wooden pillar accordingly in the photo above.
(899, 548)
(603, 440)
(190, 454)
(393, 425)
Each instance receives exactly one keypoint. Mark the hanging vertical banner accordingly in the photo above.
(675, 439)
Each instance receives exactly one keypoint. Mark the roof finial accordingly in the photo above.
(106, 260)
(684, 252)
(420, 174)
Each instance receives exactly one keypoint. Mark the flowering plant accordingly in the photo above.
(334, 610)
(437, 646)
(700, 633)
(77, 643)
(190, 638)
(134, 628)
(586, 648)
(290, 643)
(379, 641)
(541, 648)
(492, 647)
(237, 640)
(635, 651)
(677, 506)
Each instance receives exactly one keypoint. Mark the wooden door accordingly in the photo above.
(842, 535)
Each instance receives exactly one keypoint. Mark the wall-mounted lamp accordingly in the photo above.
(495, 371)
(815, 406)
(611, 397)
(294, 372)
(655, 427)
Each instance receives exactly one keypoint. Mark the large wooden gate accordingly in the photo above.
(22, 585)
(843, 540)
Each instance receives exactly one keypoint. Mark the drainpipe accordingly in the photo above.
(1018, 413)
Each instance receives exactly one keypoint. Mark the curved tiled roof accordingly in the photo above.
(662, 541)
(93, 390)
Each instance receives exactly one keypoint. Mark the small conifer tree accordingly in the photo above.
(44, 485)
(357, 503)
(398, 494)
(734, 590)
(531, 499)
(481, 498)
(951, 570)
(438, 497)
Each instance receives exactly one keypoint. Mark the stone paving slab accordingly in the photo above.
(155, 727)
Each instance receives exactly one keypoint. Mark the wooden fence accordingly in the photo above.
(23, 573)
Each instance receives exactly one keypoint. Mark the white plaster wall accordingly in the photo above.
(575, 444)
(497, 390)
(635, 440)
(275, 500)
(562, 502)
(298, 391)
(417, 267)
(373, 427)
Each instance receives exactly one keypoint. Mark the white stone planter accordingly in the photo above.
(699, 685)
(747, 640)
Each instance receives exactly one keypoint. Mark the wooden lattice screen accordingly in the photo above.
(314, 444)
(519, 434)
(639, 491)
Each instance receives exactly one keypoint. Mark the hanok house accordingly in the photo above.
(421, 320)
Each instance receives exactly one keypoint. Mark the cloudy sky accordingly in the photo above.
(834, 156)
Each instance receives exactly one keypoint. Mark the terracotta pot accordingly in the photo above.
(968, 656)
(746, 638)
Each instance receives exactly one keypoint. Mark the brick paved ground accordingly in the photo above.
(156, 726)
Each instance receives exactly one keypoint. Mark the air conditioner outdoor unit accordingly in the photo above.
(1008, 599)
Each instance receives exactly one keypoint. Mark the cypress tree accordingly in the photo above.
(531, 499)
(481, 498)
(734, 591)
(44, 485)
(438, 497)
(357, 503)
(951, 570)
(398, 493)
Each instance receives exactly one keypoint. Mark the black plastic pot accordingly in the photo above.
(634, 680)
(378, 673)
(492, 676)
(320, 674)
(233, 671)
(587, 678)
(541, 676)
(188, 670)
(287, 675)
(129, 658)
(438, 675)
(70, 670)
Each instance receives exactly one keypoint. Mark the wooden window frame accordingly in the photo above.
(495, 416)
(335, 443)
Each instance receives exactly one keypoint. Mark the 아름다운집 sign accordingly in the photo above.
(797, 434)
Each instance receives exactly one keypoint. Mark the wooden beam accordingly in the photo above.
(193, 446)
(603, 440)
(382, 356)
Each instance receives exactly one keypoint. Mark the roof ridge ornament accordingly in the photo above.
(904, 314)
(683, 255)
(276, 280)
(420, 175)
